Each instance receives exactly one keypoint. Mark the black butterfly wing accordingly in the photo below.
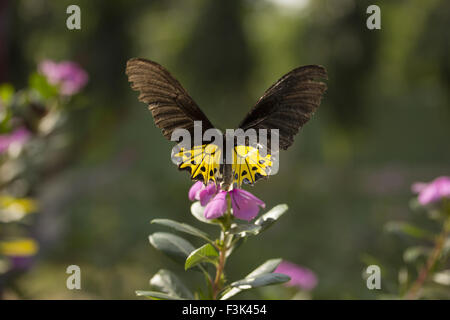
(288, 104)
(171, 106)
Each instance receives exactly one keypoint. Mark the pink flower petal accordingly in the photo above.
(245, 205)
(434, 191)
(301, 277)
(67, 74)
(195, 190)
(19, 136)
(217, 206)
(207, 193)
(418, 187)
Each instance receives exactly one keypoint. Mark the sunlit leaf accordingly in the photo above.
(261, 224)
(206, 253)
(167, 282)
(156, 295)
(269, 218)
(198, 212)
(244, 230)
(182, 227)
(260, 281)
(266, 268)
(6, 93)
(174, 246)
(39, 83)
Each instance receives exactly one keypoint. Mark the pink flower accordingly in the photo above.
(67, 74)
(217, 207)
(245, 205)
(301, 277)
(18, 136)
(199, 192)
(434, 191)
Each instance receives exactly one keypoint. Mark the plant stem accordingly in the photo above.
(220, 267)
(413, 293)
(225, 240)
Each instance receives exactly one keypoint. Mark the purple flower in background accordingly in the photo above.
(434, 191)
(67, 74)
(18, 136)
(20, 252)
(301, 277)
(19, 263)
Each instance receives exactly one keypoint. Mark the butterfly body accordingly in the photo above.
(248, 153)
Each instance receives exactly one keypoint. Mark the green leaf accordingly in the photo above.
(408, 229)
(182, 227)
(174, 246)
(266, 268)
(156, 295)
(198, 212)
(261, 224)
(202, 254)
(6, 93)
(244, 230)
(39, 83)
(260, 281)
(269, 218)
(411, 254)
(169, 283)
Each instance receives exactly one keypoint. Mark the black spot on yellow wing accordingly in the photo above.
(249, 165)
(202, 162)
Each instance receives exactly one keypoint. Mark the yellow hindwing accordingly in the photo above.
(249, 165)
(203, 162)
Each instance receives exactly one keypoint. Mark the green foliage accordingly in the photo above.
(216, 252)
(156, 295)
(269, 218)
(266, 268)
(260, 281)
(40, 84)
(167, 282)
(206, 253)
(198, 212)
(6, 93)
(182, 227)
(261, 224)
(173, 246)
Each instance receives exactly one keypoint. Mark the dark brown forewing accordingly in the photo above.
(289, 103)
(170, 104)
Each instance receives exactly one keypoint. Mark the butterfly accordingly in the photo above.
(283, 109)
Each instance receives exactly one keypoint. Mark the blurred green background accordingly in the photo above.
(383, 124)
